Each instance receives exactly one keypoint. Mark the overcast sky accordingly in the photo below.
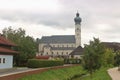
(100, 18)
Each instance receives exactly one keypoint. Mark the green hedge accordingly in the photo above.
(72, 61)
(37, 63)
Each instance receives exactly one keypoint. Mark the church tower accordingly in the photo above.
(78, 20)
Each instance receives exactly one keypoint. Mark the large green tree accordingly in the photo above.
(93, 55)
(26, 45)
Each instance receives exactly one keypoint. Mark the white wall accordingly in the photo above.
(49, 51)
(8, 61)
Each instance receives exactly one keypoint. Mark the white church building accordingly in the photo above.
(61, 45)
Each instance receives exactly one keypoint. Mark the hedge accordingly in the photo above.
(72, 61)
(37, 63)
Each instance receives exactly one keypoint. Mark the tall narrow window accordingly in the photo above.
(67, 45)
(3, 60)
(52, 53)
(67, 53)
(62, 53)
(71, 45)
(57, 53)
(0, 60)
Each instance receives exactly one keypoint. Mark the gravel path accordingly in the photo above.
(114, 73)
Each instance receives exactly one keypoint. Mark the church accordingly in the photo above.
(61, 45)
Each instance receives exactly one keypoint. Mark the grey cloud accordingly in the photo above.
(91, 11)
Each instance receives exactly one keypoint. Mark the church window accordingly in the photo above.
(52, 53)
(67, 45)
(57, 53)
(3, 60)
(67, 53)
(62, 53)
(71, 45)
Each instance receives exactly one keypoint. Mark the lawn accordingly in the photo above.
(100, 74)
(68, 74)
(59, 74)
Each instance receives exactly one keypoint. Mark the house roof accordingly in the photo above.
(58, 39)
(8, 51)
(78, 51)
(7, 46)
(113, 45)
(5, 41)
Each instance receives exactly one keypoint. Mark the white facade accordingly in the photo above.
(6, 61)
(56, 52)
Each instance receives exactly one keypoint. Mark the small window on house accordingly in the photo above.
(3, 60)
(0, 60)
(47, 53)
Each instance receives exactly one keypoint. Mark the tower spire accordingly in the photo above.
(77, 20)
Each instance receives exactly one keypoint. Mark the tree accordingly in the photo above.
(93, 55)
(108, 57)
(117, 59)
(26, 45)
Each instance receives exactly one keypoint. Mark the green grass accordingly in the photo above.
(68, 73)
(59, 74)
(100, 74)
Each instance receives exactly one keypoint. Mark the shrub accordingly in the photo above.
(36, 63)
(72, 61)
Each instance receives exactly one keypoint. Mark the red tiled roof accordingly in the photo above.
(42, 57)
(9, 51)
(6, 41)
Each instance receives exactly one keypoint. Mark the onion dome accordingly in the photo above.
(77, 19)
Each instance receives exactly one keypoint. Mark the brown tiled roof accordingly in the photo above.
(5, 41)
(8, 51)
(5, 50)
(78, 51)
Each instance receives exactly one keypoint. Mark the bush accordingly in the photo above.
(36, 63)
(72, 61)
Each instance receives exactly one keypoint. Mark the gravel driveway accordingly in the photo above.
(114, 73)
